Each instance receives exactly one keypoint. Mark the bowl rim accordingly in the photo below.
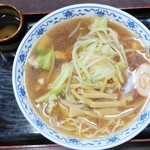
(19, 49)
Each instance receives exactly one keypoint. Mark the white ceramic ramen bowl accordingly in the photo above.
(27, 44)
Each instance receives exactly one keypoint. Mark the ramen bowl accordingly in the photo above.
(41, 27)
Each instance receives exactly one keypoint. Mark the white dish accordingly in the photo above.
(18, 75)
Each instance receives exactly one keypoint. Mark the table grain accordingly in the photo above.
(47, 6)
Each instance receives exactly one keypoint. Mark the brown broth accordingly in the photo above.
(59, 36)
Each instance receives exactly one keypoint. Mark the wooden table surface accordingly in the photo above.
(47, 6)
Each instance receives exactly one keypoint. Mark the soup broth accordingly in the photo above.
(80, 77)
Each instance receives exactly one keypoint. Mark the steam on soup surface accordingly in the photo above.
(80, 77)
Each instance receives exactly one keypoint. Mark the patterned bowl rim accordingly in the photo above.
(112, 142)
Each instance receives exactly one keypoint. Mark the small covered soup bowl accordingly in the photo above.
(12, 28)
